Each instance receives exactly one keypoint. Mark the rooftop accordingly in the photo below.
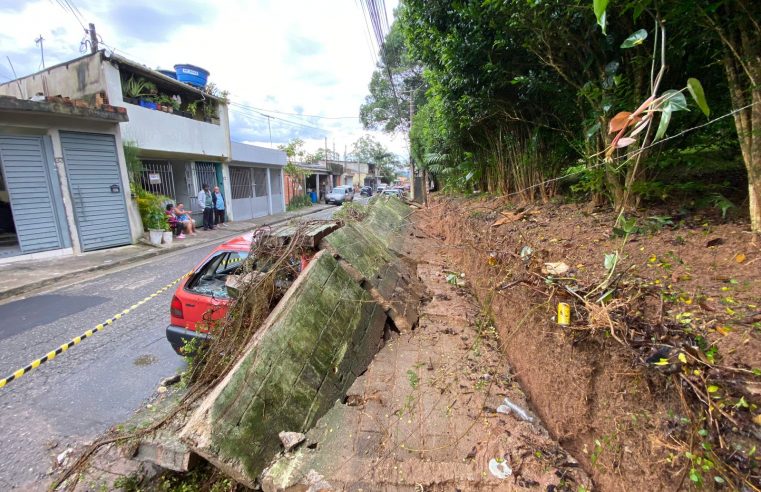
(64, 107)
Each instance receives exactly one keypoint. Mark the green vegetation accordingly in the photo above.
(134, 164)
(535, 98)
(152, 209)
(299, 201)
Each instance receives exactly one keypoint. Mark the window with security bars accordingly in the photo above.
(158, 178)
(260, 181)
(240, 183)
(206, 173)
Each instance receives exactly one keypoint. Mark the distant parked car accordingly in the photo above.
(366, 191)
(340, 194)
(381, 187)
(393, 192)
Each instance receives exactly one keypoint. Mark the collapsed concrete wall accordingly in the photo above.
(320, 337)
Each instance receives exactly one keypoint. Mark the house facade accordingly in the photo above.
(256, 181)
(63, 182)
(182, 133)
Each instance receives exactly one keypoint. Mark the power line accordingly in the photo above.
(252, 113)
(69, 10)
(296, 114)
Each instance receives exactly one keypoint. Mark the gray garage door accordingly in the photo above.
(34, 193)
(96, 189)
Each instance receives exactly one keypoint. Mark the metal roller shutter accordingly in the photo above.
(27, 177)
(92, 167)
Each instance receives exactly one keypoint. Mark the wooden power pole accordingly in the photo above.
(93, 39)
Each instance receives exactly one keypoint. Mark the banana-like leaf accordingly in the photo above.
(675, 100)
(635, 39)
(664, 123)
(599, 7)
(696, 90)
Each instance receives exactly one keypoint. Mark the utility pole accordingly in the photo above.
(93, 39)
(270, 128)
(39, 41)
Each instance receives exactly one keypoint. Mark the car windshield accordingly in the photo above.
(210, 279)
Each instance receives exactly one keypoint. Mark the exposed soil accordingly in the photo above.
(625, 410)
(428, 414)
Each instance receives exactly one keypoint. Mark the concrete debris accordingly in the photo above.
(499, 468)
(63, 458)
(316, 482)
(291, 439)
(555, 268)
(508, 406)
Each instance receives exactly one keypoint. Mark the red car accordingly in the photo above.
(201, 298)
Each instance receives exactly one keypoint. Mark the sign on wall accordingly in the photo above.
(154, 178)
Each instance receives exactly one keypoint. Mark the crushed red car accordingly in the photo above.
(201, 298)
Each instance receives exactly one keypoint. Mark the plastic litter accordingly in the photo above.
(526, 252)
(499, 468)
(508, 406)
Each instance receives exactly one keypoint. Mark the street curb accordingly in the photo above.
(22, 289)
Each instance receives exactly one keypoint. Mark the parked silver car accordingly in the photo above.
(340, 194)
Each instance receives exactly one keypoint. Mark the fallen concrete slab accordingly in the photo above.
(317, 341)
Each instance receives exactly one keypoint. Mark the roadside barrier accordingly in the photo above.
(75, 341)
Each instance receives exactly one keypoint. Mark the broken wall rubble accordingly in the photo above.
(320, 337)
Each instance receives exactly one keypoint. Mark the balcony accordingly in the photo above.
(167, 116)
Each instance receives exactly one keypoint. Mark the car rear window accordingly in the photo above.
(210, 279)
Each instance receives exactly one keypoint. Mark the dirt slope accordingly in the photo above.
(633, 424)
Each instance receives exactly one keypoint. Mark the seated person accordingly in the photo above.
(174, 223)
(185, 219)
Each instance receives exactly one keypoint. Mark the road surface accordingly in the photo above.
(96, 384)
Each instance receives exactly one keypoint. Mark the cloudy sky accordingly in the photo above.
(288, 58)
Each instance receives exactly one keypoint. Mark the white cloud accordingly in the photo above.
(291, 56)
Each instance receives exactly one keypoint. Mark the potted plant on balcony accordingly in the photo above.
(192, 108)
(210, 114)
(165, 103)
(137, 88)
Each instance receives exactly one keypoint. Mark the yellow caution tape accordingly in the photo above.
(66, 346)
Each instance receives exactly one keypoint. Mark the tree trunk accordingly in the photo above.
(753, 164)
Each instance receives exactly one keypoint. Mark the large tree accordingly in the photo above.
(396, 83)
(737, 23)
(368, 149)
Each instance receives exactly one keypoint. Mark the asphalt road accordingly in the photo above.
(96, 384)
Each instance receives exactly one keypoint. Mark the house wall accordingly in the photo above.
(76, 79)
(52, 125)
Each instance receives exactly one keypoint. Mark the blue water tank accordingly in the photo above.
(192, 75)
(169, 73)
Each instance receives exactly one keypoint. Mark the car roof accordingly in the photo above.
(242, 242)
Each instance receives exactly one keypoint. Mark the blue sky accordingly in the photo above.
(305, 57)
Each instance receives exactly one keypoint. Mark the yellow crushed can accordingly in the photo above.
(564, 314)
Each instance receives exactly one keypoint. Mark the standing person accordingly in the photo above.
(219, 207)
(205, 203)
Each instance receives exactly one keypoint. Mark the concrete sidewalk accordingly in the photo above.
(23, 276)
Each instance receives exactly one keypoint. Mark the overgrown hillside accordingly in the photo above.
(618, 103)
